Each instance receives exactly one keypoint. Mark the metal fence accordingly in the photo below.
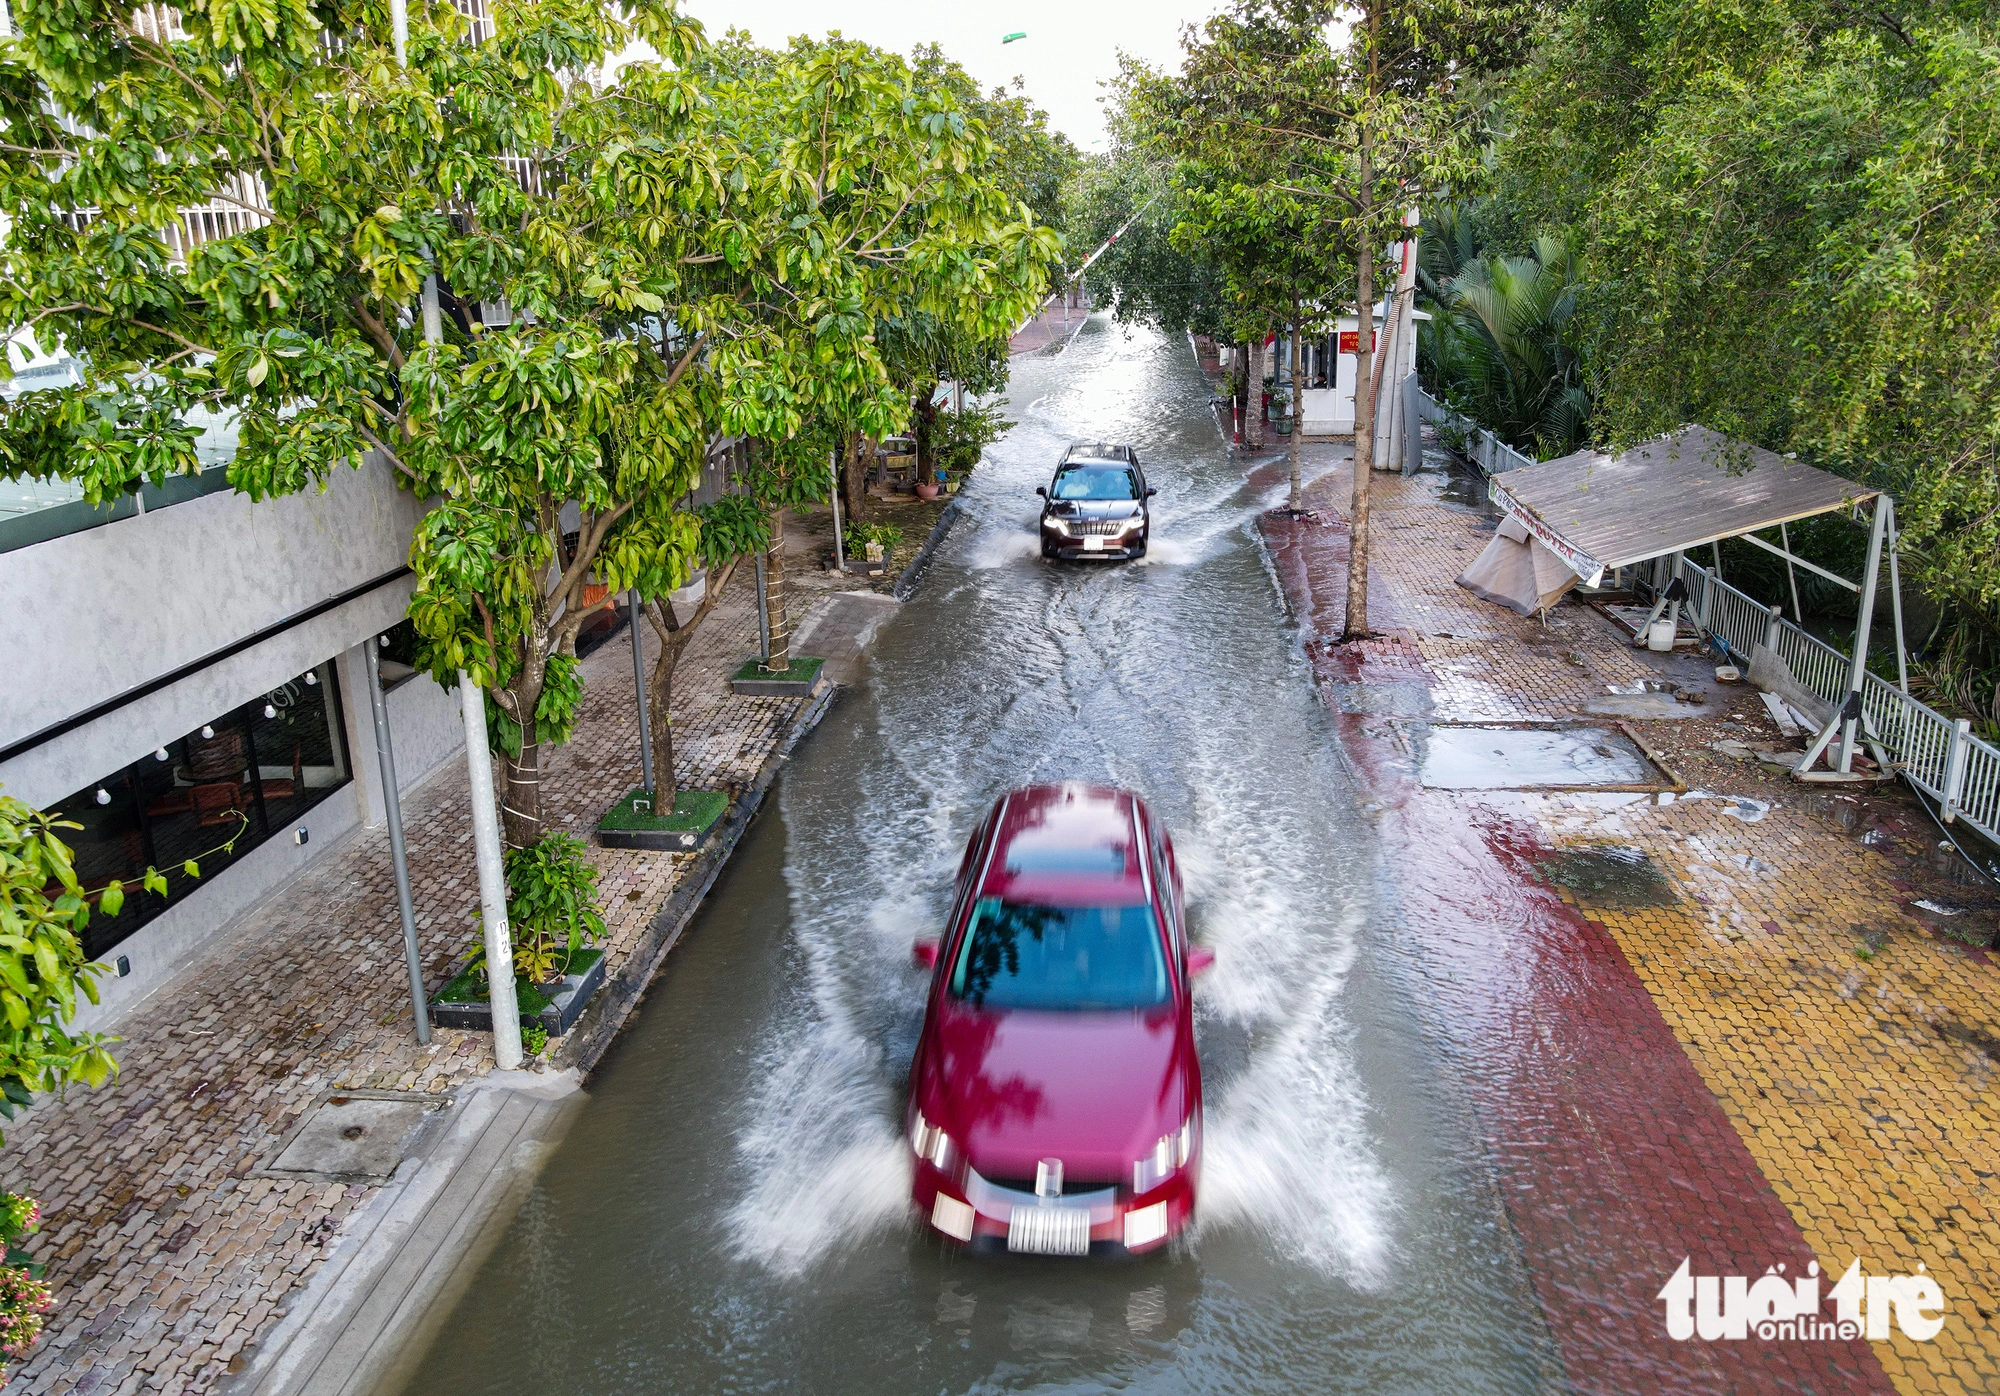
(1940, 756)
(1481, 446)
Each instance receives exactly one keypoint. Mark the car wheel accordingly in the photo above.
(1048, 551)
(1139, 551)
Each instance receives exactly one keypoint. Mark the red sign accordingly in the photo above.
(1350, 341)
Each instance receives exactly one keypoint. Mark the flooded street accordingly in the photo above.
(730, 1213)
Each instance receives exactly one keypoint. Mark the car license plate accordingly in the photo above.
(1093, 545)
(1049, 1230)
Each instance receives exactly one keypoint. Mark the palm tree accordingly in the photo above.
(1499, 346)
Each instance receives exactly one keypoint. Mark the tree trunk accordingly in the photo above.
(1238, 376)
(660, 717)
(924, 419)
(1364, 398)
(521, 776)
(774, 598)
(673, 634)
(854, 478)
(1297, 503)
(1253, 373)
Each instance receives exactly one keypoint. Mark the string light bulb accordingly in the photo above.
(382, 640)
(103, 796)
(312, 678)
(270, 711)
(207, 731)
(160, 755)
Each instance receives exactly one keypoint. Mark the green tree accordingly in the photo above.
(1329, 118)
(1787, 211)
(43, 972)
(1501, 346)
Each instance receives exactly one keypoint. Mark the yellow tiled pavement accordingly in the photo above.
(1864, 1088)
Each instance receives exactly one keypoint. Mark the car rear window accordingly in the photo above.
(1019, 955)
(1097, 482)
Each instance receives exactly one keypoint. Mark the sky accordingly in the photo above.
(1072, 45)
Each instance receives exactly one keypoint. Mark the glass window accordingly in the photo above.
(1016, 955)
(246, 776)
(1097, 482)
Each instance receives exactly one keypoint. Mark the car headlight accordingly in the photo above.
(1132, 524)
(1170, 1154)
(931, 1144)
(1055, 523)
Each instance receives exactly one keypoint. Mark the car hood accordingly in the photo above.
(1095, 1090)
(1094, 508)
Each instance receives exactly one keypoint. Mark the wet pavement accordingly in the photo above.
(730, 1213)
(1485, 1063)
(1716, 1023)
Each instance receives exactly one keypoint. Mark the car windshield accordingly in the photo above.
(1063, 958)
(1097, 481)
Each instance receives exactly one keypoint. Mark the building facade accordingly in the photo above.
(184, 672)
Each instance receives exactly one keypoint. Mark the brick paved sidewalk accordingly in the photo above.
(166, 1258)
(1720, 1075)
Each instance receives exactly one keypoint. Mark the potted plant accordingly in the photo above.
(871, 544)
(552, 914)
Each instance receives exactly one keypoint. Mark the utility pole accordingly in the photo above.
(478, 757)
(392, 809)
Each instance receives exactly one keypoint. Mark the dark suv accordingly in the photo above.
(1096, 505)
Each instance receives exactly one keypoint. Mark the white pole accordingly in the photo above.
(1857, 670)
(839, 546)
(492, 879)
(478, 760)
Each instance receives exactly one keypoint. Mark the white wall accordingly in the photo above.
(1330, 411)
(112, 607)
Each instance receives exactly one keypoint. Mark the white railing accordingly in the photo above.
(1939, 756)
(1482, 447)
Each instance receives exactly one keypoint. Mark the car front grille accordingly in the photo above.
(1101, 528)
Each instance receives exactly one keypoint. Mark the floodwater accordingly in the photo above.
(730, 1213)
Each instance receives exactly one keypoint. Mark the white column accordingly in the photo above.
(492, 879)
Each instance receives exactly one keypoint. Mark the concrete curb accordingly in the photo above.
(403, 1260)
(907, 582)
(594, 1033)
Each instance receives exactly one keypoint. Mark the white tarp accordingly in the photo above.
(1517, 571)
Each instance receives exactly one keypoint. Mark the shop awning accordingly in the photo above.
(1595, 511)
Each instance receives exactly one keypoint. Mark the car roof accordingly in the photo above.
(1100, 451)
(1070, 844)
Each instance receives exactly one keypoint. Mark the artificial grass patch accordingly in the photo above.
(799, 669)
(466, 987)
(693, 811)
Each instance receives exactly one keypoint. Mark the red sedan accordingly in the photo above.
(1055, 1099)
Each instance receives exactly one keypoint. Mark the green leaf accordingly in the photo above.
(112, 900)
(191, 868)
(258, 371)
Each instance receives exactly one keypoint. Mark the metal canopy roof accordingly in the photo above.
(1684, 489)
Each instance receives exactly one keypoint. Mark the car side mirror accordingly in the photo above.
(925, 953)
(1041, 491)
(1150, 491)
(1200, 960)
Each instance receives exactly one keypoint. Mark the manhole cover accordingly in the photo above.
(353, 1137)
(1607, 876)
(1528, 758)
